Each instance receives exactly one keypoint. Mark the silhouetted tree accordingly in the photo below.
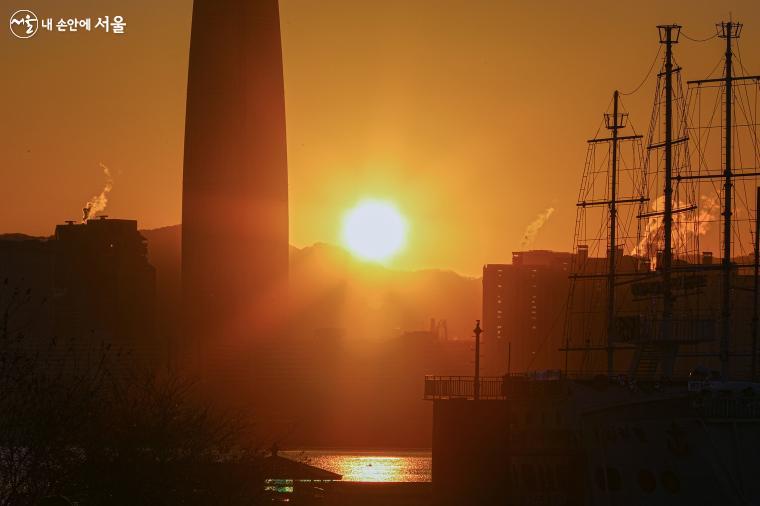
(70, 426)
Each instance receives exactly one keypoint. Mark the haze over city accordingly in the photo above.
(380, 253)
(468, 116)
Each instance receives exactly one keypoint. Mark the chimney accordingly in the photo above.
(582, 253)
(517, 258)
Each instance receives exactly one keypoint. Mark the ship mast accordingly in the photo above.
(730, 31)
(727, 32)
(668, 36)
(756, 291)
(614, 123)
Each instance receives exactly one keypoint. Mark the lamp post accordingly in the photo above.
(477, 332)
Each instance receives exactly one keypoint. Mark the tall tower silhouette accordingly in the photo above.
(235, 188)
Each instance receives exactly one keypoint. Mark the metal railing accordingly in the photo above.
(729, 408)
(463, 387)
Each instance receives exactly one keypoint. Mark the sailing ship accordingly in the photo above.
(658, 401)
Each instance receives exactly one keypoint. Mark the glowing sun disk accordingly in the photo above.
(374, 230)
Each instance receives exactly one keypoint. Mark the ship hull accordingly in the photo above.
(677, 449)
(598, 442)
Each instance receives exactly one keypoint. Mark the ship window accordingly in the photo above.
(647, 481)
(670, 482)
(547, 473)
(640, 434)
(563, 479)
(599, 478)
(612, 478)
(529, 476)
(541, 475)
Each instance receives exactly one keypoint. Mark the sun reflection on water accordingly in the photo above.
(370, 467)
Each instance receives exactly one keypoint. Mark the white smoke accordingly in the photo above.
(684, 228)
(531, 231)
(99, 202)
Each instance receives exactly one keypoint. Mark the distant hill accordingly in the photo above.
(21, 237)
(331, 289)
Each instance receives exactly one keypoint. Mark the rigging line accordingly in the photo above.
(751, 123)
(701, 149)
(699, 40)
(630, 121)
(649, 73)
(739, 56)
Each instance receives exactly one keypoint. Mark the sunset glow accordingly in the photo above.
(374, 230)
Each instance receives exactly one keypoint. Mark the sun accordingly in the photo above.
(374, 230)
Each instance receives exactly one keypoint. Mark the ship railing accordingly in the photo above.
(550, 383)
(463, 387)
(491, 387)
(729, 408)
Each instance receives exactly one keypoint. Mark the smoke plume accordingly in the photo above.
(685, 228)
(531, 230)
(98, 203)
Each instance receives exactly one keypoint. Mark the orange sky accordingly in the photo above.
(471, 115)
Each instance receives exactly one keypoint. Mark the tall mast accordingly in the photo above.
(668, 36)
(756, 293)
(727, 32)
(614, 124)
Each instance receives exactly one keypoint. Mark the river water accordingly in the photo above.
(368, 466)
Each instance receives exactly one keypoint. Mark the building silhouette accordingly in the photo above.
(235, 188)
(528, 316)
(104, 288)
(523, 313)
(91, 288)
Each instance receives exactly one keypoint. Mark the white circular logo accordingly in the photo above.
(24, 24)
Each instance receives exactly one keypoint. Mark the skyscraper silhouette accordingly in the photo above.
(235, 189)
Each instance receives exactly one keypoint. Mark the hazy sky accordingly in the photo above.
(471, 115)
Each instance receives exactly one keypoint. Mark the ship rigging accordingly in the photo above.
(659, 203)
